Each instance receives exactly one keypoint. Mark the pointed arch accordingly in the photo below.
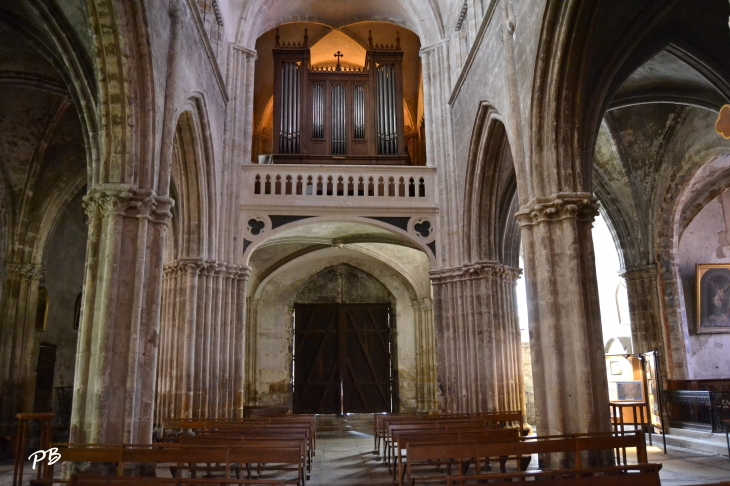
(193, 182)
(490, 202)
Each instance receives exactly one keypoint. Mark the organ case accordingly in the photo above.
(338, 115)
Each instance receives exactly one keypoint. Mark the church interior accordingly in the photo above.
(364, 242)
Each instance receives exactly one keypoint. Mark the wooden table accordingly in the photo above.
(21, 441)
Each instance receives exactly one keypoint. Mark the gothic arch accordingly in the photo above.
(671, 221)
(572, 91)
(490, 201)
(193, 178)
(270, 305)
(424, 21)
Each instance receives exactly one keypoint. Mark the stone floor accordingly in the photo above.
(344, 458)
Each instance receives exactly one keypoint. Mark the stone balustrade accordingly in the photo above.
(340, 186)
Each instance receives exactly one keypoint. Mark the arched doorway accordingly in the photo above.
(344, 360)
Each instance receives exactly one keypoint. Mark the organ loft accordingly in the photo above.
(259, 240)
(336, 115)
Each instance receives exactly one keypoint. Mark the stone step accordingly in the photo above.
(696, 434)
(717, 444)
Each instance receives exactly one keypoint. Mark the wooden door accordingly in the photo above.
(366, 377)
(342, 359)
(316, 364)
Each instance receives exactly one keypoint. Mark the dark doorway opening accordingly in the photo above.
(342, 358)
(43, 401)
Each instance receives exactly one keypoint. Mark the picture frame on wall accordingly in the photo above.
(713, 298)
(615, 368)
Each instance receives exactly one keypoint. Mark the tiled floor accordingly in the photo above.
(344, 458)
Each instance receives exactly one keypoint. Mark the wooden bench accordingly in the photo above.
(252, 441)
(443, 437)
(636, 475)
(90, 480)
(478, 421)
(381, 423)
(274, 423)
(437, 453)
(188, 457)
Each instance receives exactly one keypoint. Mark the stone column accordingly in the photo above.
(252, 324)
(436, 68)
(116, 360)
(425, 356)
(202, 351)
(643, 293)
(568, 365)
(17, 337)
(478, 338)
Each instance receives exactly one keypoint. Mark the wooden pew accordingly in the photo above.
(290, 432)
(635, 475)
(496, 420)
(251, 441)
(277, 422)
(188, 456)
(90, 480)
(443, 437)
(395, 429)
(420, 453)
(381, 422)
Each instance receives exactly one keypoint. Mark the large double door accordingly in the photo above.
(342, 358)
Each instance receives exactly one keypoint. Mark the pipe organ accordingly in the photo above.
(338, 115)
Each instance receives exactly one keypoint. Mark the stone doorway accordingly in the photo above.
(342, 359)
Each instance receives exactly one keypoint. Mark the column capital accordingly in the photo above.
(579, 205)
(640, 273)
(431, 47)
(128, 202)
(206, 267)
(488, 268)
(183, 266)
(480, 269)
(33, 271)
(246, 51)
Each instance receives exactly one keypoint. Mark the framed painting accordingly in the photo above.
(630, 391)
(713, 298)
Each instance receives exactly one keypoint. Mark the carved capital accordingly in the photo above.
(129, 203)
(477, 270)
(31, 271)
(579, 205)
(640, 273)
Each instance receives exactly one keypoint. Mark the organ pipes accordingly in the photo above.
(318, 112)
(387, 115)
(290, 109)
(339, 146)
(322, 113)
(359, 112)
